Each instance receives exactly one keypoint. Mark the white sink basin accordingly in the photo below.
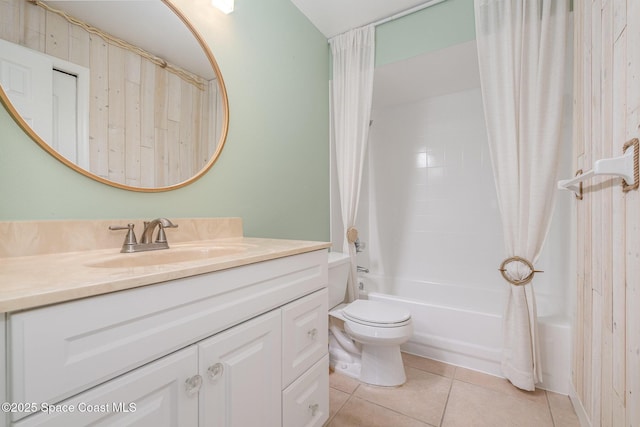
(168, 256)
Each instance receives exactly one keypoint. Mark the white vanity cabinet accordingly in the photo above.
(305, 361)
(239, 347)
(155, 395)
(241, 374)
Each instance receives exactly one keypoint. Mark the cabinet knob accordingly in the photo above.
(215, 371)
(192, 385)
(312, 333)
(314, 409)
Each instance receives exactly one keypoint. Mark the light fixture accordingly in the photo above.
(225, 6)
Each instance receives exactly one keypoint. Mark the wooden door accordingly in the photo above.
(606, 363)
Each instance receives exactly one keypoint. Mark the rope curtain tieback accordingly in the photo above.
(352, 234)
(518, 282)
(635, 143)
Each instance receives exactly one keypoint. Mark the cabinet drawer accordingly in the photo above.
(152, 396)
(305, 403)
(63, 349)
(304, 334)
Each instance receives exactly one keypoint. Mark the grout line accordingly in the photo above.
(393, 410)
(452, 379)
(339, 409)
(352, 395)
(553, 421)
(446, 403)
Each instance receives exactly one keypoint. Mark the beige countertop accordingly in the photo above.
(37, 280)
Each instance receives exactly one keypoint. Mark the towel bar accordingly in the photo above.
(625, 166)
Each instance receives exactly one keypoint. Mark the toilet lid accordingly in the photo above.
(375, 312)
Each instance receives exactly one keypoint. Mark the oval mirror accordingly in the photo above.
(125, 92)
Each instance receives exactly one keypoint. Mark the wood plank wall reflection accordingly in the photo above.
(145, 123)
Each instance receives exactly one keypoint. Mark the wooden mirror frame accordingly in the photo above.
(223, 133)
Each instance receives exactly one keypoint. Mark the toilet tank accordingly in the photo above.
(339, 265)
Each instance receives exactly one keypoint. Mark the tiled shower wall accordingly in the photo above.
(429, 211)
(433, 213)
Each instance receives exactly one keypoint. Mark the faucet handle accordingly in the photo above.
(162, 237)
(129, 239)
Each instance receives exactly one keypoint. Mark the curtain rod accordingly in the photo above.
(405, 12)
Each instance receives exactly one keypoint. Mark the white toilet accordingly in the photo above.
(364, 336)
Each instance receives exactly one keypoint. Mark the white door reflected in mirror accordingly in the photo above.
(150, 110)
(52, 97)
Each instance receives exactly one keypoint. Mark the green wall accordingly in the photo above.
(433, 28)
(274, 169)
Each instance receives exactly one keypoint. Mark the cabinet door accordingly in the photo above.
(154, 395)
(241, 370)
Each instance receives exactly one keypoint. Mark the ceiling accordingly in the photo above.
(427, 75)
(333, 17)
(148, 24)
(123, 19)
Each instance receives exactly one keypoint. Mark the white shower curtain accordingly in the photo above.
(352, 89)
(521, 51)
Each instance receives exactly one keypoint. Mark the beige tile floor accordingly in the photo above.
(441, 395)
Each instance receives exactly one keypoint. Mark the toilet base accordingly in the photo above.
(382, 366)
(345, 368)
(341, 360)
(375, 365)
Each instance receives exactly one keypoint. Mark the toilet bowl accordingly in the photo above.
(365, 336)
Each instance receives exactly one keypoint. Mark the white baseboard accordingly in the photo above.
(578, 407)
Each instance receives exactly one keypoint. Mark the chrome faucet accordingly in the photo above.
(131, 244)
(362, 270)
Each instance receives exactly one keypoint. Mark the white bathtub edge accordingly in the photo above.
(456, 353)
(484, 354)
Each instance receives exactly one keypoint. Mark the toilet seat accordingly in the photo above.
(365, 334)
(376, 314)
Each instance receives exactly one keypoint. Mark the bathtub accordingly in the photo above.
(463, 326)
